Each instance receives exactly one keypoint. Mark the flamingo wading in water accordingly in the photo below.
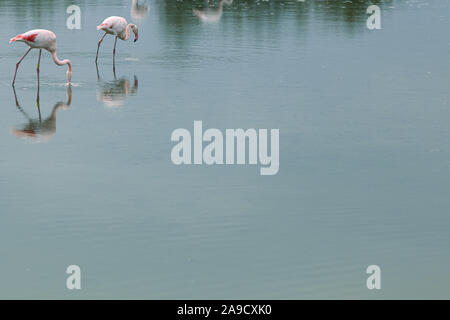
(41, 39)
(118, 27)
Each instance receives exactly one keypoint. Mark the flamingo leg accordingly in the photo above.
(98, 73)
(17, 65)
(37, 70)
(39, 109)
(98, 46)
(19, 107)
(135, 85)
(15, 97)
(114, 55)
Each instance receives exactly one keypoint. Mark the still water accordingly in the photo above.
(364, 176)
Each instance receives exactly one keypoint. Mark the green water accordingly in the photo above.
(364, 152)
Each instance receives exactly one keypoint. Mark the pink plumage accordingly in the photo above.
(41, 39)
(118, 27)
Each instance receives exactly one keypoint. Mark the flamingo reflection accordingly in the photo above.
(139, 9)
(212, 15)
(113, 93)
(37, 129)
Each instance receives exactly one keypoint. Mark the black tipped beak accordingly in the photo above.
(135, 40)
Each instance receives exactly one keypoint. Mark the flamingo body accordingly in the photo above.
(41, 39)
(37, 39)
(115, 26)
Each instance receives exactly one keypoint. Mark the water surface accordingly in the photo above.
(364, 150)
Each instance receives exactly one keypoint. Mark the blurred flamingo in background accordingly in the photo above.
(118, 27)
(139, 10)
(212, 15)
(41, 39)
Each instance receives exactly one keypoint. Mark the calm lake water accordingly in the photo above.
(364, 152)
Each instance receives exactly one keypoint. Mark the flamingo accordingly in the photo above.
(41, 39)
(118, 27)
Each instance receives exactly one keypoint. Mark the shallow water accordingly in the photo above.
(364, 153)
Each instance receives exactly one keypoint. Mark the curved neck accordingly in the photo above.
(61, 63)
(127, 31)
(60, 105)
(55, 109)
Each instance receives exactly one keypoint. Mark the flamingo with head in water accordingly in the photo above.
(118, 27)
(41, 39)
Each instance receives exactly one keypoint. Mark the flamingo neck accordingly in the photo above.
(63, 105)
(127, 31)
(61, 63)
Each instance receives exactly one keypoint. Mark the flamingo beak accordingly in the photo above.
(136, 37)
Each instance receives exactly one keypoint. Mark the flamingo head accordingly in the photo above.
(135, 31)
(19, 37)
(101, 26)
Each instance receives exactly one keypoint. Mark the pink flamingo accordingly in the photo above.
(118, 27)
(41, 39)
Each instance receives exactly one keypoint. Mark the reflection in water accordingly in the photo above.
(38, 129)
(139, 9)
(173, 13)
(362, 158)
(267, 17)
(211, 15)
(113, 93)
(175, 17)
